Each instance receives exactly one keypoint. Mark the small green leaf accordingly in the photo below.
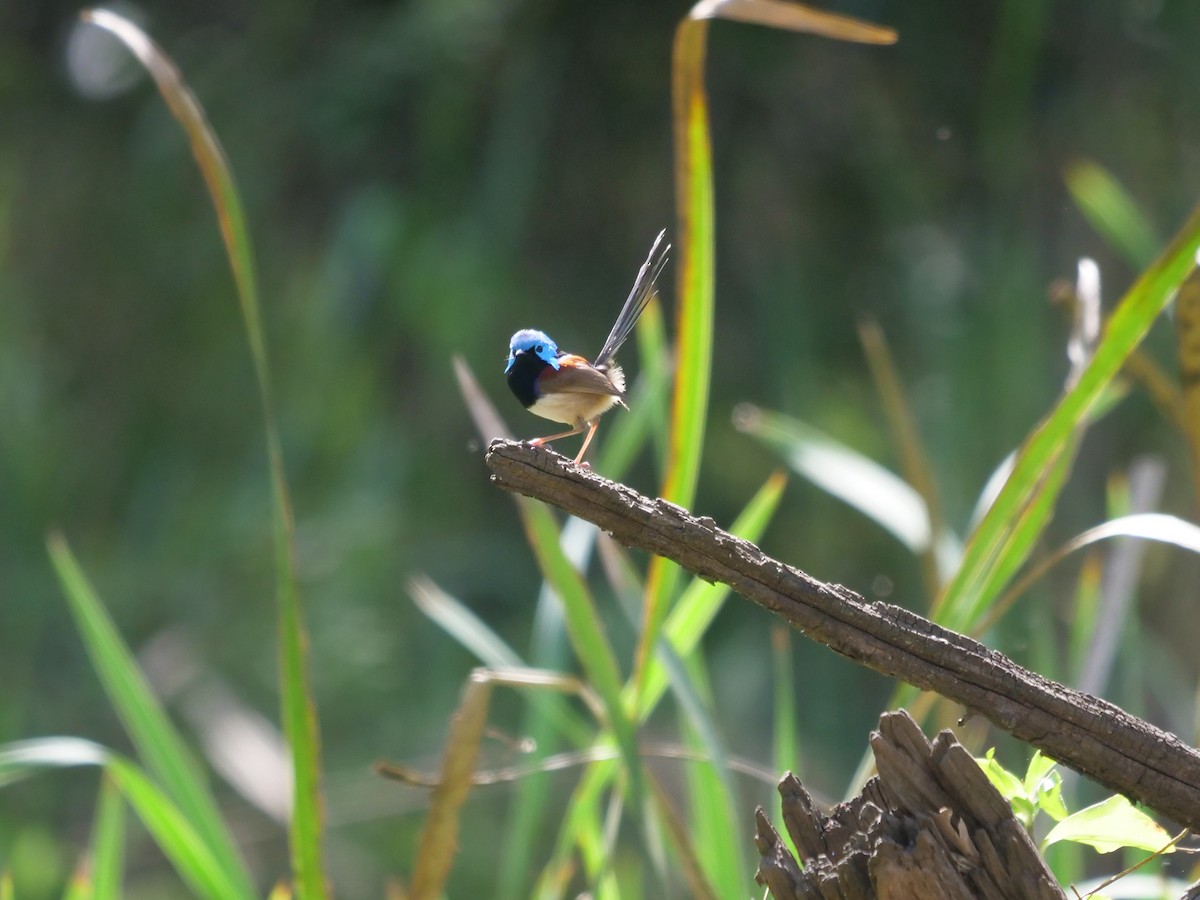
(1110, 825)
(1049, 797)
(1008, 784)
(1039, 767)
(1043, 786)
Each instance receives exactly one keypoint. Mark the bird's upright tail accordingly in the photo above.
(643, 290)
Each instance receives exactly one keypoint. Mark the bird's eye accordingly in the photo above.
(538, 349)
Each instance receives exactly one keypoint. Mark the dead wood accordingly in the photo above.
(929, 825)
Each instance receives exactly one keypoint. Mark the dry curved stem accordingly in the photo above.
(1129, 870)
(557, 762)
(1092, 736)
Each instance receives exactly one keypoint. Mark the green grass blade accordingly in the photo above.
(992, 539)
(156, 740)
(79, 885)
(596, 846)
(549, 648)
(171, 826)
(701, 601)
(299, 725)
(785, 747)
(1112, 212)
(583, 828)
(785, 743)
(1187, 336)
(525, 825)
(172, 829)
(584, 627)
(695, 277)
(1157, 527)
(1085, 614)
(714, 801)
(470, 631)
(462, 624)
(856, 480)
(108, 842)
(696, 271)
(914, 459)
(690, 868)
(696, 268)
(20, 759)
(298, 708)
(1022, 537)
(659, 366)
(695, 211)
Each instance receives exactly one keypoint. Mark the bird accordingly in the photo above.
(565, 387)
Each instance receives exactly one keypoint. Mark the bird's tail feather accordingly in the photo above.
(643, 290)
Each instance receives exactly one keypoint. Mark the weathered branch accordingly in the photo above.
(929, 825)
(1090, 735)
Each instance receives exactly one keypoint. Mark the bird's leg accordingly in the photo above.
(587, 440)
(537, 442)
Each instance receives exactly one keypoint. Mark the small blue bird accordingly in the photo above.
(564, 387)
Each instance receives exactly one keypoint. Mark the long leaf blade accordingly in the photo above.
(700, 602)
(1054, 436)
(845, 473)
(696, 273)
(205, 873)
(173, 831)
(108, 842)
(157, 741)
(1112, 212)
(298, 709)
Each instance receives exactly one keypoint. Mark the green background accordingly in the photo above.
(422, 179)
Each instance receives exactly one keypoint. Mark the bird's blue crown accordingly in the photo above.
(530, 339)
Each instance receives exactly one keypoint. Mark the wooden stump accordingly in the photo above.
(930, 825)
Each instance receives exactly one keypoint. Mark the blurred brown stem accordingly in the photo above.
(1088, 734)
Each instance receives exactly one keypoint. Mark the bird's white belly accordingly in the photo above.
(572, 408)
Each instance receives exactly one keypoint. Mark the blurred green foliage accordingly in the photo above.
(424, 178)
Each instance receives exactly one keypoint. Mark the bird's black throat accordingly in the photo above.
(522, 377)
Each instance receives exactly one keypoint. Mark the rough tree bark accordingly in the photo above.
(929, 825)
(1090, 735)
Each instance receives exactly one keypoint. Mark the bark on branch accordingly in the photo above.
(1088, 734)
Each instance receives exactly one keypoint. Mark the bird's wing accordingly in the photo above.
(576, 375)
(639, 296)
